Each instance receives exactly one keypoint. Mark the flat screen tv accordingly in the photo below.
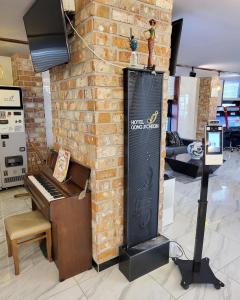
(175, 43)
(47, 36)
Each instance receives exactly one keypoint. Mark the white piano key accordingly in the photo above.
(42, 190)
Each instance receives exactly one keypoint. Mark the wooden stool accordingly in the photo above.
(27, 228)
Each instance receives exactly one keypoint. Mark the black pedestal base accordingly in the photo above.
(205, 274)
(143, 258)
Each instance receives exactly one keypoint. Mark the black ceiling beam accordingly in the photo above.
(204, 69)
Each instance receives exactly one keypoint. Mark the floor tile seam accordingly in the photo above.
(84, 280)
(78, 284)
(54, 294)
(228, 277)
(225, 217)
(224, 236)
(227, 237)
(232, 261)
(178, 237)
(165, 289)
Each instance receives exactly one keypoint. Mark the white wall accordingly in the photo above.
(6, 77)
(171, 87)
(188, 107)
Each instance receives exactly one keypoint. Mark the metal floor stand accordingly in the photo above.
(198, 269)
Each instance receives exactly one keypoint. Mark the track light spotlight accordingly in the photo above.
(192, 73)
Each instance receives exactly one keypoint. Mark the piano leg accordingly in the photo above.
(34, 206)
(43, 248)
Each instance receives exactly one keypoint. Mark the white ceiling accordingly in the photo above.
(210, 36)
(11, 25)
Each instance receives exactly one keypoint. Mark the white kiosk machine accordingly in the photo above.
(213, 144)
(13, 154)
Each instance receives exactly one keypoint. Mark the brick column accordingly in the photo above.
(87, 102)
(31, 84)
(208, 102)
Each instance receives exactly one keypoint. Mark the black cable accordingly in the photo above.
(181, 249)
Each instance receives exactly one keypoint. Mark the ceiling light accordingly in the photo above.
(1, 73)
(229, 75)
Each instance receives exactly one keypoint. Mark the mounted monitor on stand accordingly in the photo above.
(198, 269)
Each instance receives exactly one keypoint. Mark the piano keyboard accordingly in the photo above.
(45, 188)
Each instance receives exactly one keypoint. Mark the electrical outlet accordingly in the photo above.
(69, 5)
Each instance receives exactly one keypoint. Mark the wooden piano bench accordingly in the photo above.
(24, 229)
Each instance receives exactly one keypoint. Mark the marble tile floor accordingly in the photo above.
(39, 278)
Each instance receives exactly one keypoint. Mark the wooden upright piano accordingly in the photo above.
(70, 216)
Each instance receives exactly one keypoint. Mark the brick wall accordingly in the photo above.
(87, 102)
(31, 84)
(208, 102)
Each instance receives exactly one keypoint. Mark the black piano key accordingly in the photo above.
(52, 190)
(49, 187)
(57, 194)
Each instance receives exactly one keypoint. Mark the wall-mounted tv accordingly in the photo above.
(175, 43)
(46, 32)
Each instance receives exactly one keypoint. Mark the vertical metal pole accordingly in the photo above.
(201, 219)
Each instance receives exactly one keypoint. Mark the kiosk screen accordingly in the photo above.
(213, 145)
(214, 142)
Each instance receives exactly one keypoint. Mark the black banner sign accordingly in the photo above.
(143, 97)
